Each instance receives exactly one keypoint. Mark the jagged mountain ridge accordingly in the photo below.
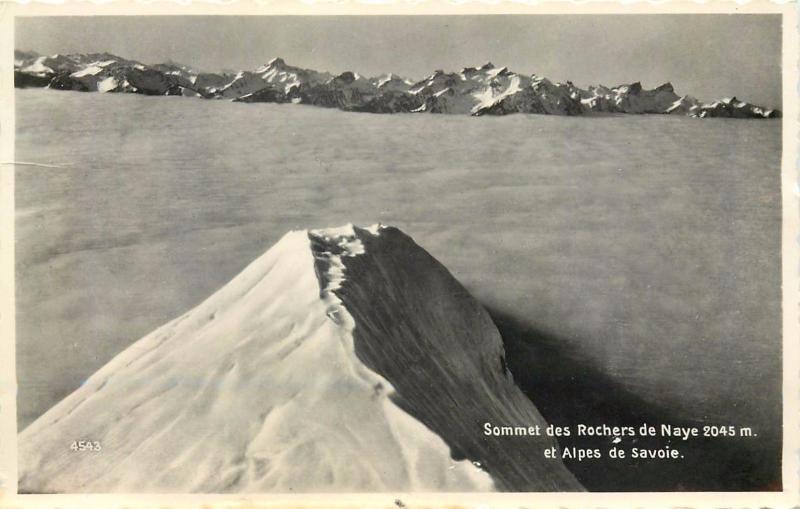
(343, 359)
(485, 90)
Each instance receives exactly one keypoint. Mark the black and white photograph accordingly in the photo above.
(399, 253)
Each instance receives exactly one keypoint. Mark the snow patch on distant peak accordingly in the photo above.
(91, 70)
(494, 72)
(338, 231)
(376, 228)
(38, 67)
(107, 84)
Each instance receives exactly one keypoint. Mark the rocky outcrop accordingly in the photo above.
(734, 108)
(208, 84)
(632, 98)
(153, 82)
(67, 82)
(26, 80)
(265, 95)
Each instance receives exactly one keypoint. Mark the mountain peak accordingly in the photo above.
(277, 62)
(347, 77)
(339, 323)
(666, 87)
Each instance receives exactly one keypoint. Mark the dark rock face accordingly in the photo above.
(441, 352)
(206, 81)
(66, 82)
(563, 98)
(437, 82)
(485, 90)
(666, 87)
(24, 80)
(345, 78)
(265, 95)
(733, 108)
(340, 92)
(321, 95)
(392, 102)
(441, 102)
(152, 82)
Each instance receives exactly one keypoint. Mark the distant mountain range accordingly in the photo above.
(484, 90)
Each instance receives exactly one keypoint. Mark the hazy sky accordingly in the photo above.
(708, 56)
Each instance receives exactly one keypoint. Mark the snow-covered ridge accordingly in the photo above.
(277, 383)
(439, 350)
(484, 90)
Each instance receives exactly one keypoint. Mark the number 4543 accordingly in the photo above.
(85, 445)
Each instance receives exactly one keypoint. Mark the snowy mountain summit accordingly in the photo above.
(484, 90)
(344, 359)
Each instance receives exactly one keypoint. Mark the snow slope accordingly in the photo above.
(262, 388)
